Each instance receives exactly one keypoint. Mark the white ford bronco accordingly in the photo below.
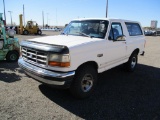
(85, 48)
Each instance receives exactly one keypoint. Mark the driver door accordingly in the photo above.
(116, 44)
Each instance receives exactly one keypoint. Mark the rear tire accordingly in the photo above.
(12, 56)
(132, 62)
(84, 82)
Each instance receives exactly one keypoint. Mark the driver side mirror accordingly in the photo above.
(121, 38)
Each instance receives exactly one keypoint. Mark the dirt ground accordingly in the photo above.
(119, 94)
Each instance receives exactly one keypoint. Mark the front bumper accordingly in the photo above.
(47, 76)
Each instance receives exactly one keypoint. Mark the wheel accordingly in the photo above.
(132, 62)
(39, 32)
(25, 32)
(84, 82)
(12, 56)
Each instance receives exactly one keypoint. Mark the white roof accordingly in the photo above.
(109, 19)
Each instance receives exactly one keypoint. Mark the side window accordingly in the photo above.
(134, 29)
(115, 31)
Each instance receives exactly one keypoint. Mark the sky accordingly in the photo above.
(61, 12)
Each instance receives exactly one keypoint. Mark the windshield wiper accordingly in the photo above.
(84, 34)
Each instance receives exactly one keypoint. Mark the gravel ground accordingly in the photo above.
(119, 94)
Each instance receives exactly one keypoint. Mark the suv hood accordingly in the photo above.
(68, 41)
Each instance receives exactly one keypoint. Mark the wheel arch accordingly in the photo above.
(136, 51)
(92, 63)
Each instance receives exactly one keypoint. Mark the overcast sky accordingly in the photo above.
(61, 12)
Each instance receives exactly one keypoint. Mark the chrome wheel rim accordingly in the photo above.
(87, 83)
(133, 63)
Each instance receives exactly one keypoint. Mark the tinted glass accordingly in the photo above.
(93, 28)
(134, 29)
(116, 30)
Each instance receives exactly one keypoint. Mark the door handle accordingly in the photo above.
(100, 55)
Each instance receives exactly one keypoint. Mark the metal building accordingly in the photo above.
(154, 24)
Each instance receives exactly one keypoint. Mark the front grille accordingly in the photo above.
(34, 56)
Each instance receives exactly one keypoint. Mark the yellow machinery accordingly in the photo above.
(30, 28)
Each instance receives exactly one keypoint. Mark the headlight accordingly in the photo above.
(59, 60)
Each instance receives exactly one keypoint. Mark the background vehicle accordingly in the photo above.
(9, 46)
(157, 33)
(57, 29)
(12, 27)
(30, 28)
(149, 33)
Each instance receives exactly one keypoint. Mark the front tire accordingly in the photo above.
(25, 32)
(12, 56)
(132, 62)
(84, 82)
(39, 32)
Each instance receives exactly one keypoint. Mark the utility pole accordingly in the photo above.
(10, 16)
(48, 22)
(4, 10)
(107, 9)
(47, 18)
(43, 18)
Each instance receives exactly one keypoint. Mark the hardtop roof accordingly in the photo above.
(109, 19)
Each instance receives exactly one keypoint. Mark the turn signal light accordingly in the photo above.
(60, 64)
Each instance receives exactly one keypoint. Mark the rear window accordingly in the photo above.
(134, 29)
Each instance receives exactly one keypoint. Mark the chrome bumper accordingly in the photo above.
(46, 76)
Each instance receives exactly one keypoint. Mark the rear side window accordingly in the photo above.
(134, 29)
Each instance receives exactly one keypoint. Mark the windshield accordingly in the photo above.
(88, 28)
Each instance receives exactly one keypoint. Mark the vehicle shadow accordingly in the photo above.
(8, 71)
(119, 95)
